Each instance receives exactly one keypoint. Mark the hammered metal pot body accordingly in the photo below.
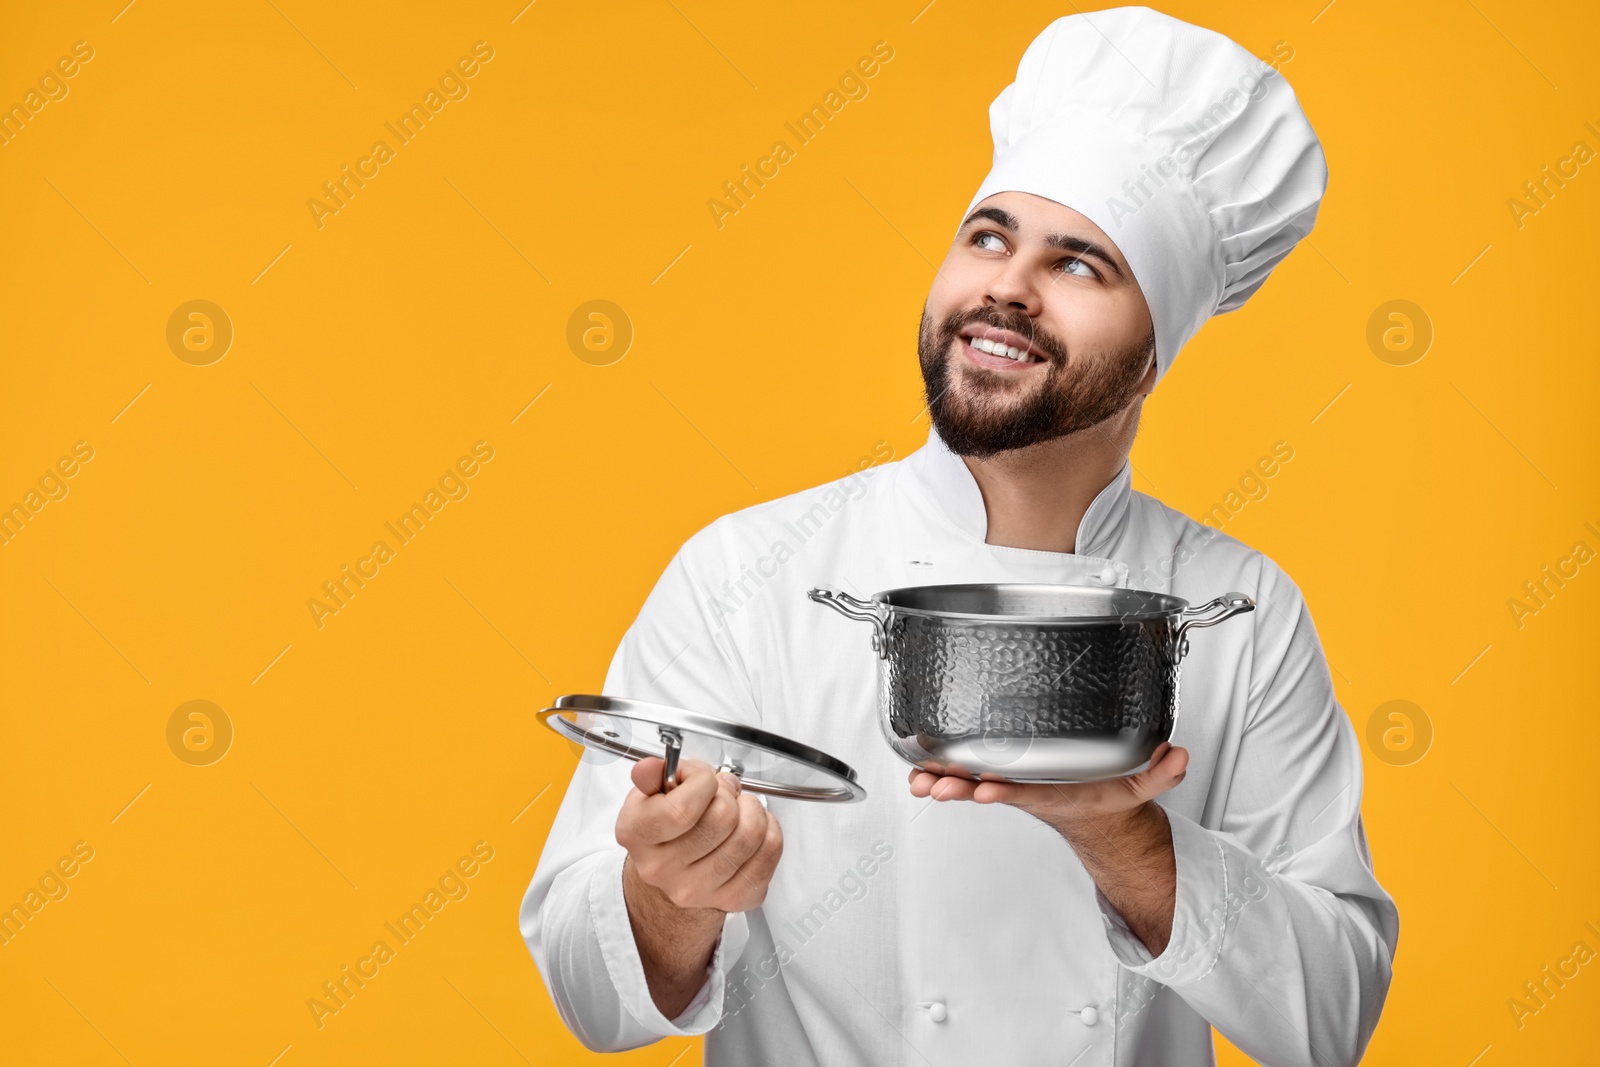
(1028, 702)
(1029, 699)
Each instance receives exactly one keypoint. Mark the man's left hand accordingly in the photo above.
(1112, 801)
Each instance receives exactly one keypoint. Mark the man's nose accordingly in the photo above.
(1012, 286)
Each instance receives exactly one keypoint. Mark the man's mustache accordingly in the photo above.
(1018, 323)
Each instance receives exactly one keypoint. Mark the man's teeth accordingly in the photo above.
(983, 344)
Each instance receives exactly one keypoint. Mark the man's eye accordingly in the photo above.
(1086, 271)
(998, 246)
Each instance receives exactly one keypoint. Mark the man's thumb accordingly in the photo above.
(646, 775)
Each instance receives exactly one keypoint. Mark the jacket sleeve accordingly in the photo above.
(1282, 937)
(679, 651)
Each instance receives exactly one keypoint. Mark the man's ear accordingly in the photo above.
(1147, 386)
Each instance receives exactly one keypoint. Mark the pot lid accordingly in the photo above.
(765, 762)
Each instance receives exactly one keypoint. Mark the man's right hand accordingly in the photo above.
(694, 854)
(705, 844)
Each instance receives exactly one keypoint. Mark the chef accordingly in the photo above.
(1147, 175)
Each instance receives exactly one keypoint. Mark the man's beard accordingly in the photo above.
(980, 419)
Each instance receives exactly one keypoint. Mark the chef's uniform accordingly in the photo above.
(899, 931)
(977, 936)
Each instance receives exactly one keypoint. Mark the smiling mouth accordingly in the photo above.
(986, 353)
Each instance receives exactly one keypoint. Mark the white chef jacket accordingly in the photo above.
(906, 931)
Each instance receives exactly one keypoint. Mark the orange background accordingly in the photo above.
(768, 355)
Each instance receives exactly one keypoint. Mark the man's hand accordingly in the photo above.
(694, 854)
(1109, 802)
(1118, 831)
(706, 844)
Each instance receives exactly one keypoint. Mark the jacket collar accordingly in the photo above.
(946, 477)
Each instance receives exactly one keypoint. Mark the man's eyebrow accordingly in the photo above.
(1069, 243)
(1064, 241)
(994, 214)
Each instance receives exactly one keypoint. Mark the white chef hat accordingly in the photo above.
(1189, 152)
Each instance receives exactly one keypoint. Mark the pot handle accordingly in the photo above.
(859, 610)
(1225, 606)
(672, 750)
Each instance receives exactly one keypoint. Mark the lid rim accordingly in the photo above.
(707, 726)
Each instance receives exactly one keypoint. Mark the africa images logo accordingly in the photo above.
(452, 85)
(452, 485)
(454, 885)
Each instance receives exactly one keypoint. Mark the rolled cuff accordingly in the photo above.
(614, 932)
(1200, 916)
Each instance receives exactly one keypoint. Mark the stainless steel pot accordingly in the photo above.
(1029, 683)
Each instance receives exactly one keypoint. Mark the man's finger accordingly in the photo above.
(715, 825)
(952, 788)
(1168, 763)
(646, 774)
(757, 871)
(665, 816)
(1009, 793)
(719, 865)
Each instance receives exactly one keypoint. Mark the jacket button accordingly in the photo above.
(936, 1012)
(1108, 575)
(1089, 1015)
